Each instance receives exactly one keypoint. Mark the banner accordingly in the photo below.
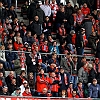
(98, 4)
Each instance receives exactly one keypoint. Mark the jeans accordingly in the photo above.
(44, 66)
(5, 63)
(8, 2)
(74, 80)
(80, 51)
(70, 47)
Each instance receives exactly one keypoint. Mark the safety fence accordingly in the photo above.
(43, 98)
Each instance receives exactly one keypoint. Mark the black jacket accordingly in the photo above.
(36, 28)
(40, 13)
(79, 40)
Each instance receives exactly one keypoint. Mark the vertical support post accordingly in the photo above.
(16, 5)
(29, 2)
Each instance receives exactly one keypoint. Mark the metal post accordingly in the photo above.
(16, 5)
(29, 2)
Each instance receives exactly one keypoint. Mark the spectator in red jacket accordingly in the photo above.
(42, 82)
(26, 92)
(17, 44)
(54, 84)
(85, 10)
(44, 47)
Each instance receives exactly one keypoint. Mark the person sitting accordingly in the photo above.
(26, 92)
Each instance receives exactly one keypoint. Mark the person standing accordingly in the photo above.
(3, 13)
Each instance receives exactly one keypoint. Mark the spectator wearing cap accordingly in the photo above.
(28, 38)
(94, 89)
(42, 82)
(27, 92)
(23, 86)
(16, 92)
(92, 73)
(5, 91)
(85, 10)
(46, 8)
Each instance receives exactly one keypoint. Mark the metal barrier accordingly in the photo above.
(42, 98)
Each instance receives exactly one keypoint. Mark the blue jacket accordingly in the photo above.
(94, 91)
(52, 49)
(10, 56)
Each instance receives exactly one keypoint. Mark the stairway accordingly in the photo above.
(87, 53)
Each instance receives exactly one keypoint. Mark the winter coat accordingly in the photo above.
(15, 94)
(41, 82)
(94, 91)
(26, 94)
(65, 65)
(82, 75)
(40, 13)
(92, 75)
(98, 50)
(36, 27)
(10, 56)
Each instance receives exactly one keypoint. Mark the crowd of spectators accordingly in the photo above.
(31, 54)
